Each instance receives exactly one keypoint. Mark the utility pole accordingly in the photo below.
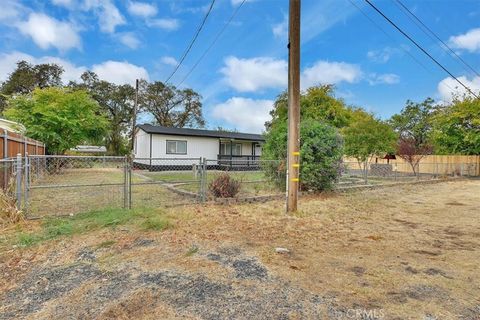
(134, 117)
(293, 158)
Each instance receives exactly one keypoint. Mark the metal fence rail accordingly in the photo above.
(66, 185)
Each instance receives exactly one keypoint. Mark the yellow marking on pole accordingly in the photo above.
(296, 165)
(296, 153)
(295, 179)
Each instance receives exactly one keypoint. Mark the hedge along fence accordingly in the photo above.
(436, 164)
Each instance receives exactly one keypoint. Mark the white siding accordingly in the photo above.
(196, 147)
(142, 144)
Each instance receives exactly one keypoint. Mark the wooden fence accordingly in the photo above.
(437, 164)
(12, 143)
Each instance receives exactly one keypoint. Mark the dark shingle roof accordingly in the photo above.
(201, 133)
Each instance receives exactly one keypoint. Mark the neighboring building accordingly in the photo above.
(13, 141)
(156, 142)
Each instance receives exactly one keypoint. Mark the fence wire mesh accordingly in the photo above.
(65, 185)
(251, 178)
(165, 182)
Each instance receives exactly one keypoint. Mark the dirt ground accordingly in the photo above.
(404, 252)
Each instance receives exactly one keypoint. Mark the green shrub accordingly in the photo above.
(321, 150)
(224, 186)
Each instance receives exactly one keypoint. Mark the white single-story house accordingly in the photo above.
(157, 145)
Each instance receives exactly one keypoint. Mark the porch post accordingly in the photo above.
(231, 152)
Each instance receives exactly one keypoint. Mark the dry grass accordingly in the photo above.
(410, 251)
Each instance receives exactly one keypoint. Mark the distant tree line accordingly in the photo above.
(92, 110)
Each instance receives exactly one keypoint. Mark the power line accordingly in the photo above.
(219, 34)
(200, 27)
(445, 46)
(389, 36)
(421, 48)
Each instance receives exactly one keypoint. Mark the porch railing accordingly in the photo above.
(238, 161)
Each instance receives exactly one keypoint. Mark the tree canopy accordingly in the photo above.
(367, 136)
(170, 106)
(26, 77)
(61, 118)
(318, 103)
(456, 127)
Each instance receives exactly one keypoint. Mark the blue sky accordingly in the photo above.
(246, 69)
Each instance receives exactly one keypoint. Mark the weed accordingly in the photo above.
(191, 251)
(105, 244)
(157, 223)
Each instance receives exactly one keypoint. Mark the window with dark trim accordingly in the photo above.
(225, 148)
(176, 147)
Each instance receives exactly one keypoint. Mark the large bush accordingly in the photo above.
(321, 150)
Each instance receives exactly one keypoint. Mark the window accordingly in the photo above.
(225, 149)
(176, 147)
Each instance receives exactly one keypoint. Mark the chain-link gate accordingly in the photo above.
(63, 185)
(159, 182)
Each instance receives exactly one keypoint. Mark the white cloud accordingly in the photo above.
(130, 40)
(383, 55)
(48, 32)
(171, 61)
(280, 30)
(245, 114)
(325, 72)
(165, 24)
(469, 41)
(8, 64)
(386, 78)
(108, 14)
(113, 71)
(120, 72)
(449, 87)
(11, 10)
(142, 9)
(254, 74)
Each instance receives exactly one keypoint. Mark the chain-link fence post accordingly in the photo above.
(125, 179)
(129, 170)
(27, 180)
(18, 166)
(203, 180)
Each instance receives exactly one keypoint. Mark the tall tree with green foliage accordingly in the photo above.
(61, 118)
(414, 121)
(318, 103)
(26, 77)
(170, 106)
(321, 151)
(117, 102)
(456, 127)
(367, 137)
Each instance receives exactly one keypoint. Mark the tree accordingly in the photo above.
(320, 155)
(409, 151)
(61, 118)
(117, 102)
(456, 127)
(172, 107)
(317, 103)
(367, 137)
(26, 77)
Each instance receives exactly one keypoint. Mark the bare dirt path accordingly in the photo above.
(409, 252)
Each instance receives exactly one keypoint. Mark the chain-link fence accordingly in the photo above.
(371, 173)
(65, 185)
